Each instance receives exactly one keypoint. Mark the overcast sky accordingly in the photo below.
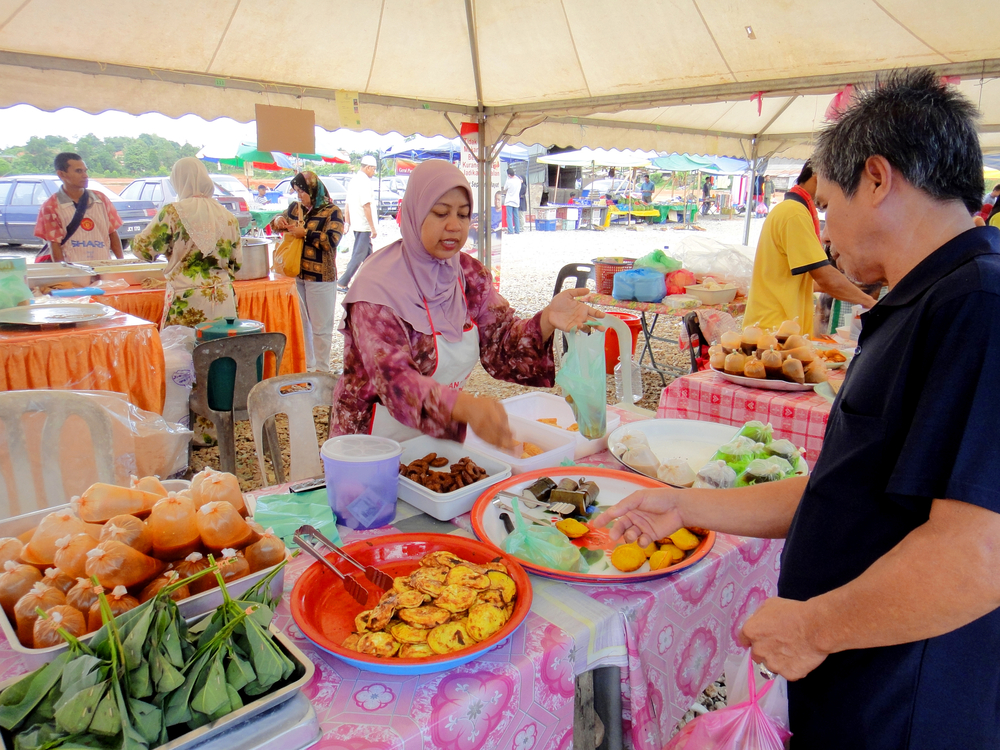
(19, 123)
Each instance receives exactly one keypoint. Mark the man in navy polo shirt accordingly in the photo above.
(886, 622)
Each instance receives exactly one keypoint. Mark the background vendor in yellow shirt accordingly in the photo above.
(790, 258)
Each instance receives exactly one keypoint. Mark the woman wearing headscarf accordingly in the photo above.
(421, 313)
(320, 225)
(201, 242)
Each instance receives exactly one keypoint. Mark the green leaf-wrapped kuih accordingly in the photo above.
(107, 718)
(212, 695)
(21, 698)
(75, 715)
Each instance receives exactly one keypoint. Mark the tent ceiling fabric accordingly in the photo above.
(550, 70)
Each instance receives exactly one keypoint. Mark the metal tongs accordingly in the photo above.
(353, 586)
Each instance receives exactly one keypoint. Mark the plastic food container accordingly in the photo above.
(195, 605)
(535, 406)
(557, 445)
(713, 296)
(444, 506)
(361, 477)
(132, 273)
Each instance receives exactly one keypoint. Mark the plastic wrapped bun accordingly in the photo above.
(268, 551)
(41, 550)
(119, 601)
(82, 596)
(71, 554)
(792, 370)
(218, 487)
(168, 578)
(174, 528)
(128, 530)
(677, 472)
(117, 564)
(10, 549)
(16, 581)
(762, 470)
(716, 475)
(58, 579)
(149, 484)
(46, 630)
(642, 460)
(233, 565)
(102, 502)
(220, 526)
(41, 596)
(785, 449)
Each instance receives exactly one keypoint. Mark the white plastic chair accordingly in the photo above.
(58, 406)
(274, 396)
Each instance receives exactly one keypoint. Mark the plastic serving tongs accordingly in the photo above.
(354, 588)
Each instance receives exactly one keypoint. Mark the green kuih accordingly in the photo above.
(757, 431)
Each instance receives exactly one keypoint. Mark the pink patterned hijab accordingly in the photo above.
(403, 276)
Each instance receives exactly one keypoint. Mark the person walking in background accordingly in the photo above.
(201, 242)
(512, 201)
(319, 223)
(88, 213)
(360, 218)
(768, 191)
(647, 189)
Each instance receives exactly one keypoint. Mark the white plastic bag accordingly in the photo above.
(704, 256)
(178, 345)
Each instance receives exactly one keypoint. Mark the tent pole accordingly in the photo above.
(749, 203)
(483, 240)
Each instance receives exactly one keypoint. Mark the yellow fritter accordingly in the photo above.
(410, 599)
(429, 580)
(401, 584)
(361, 621)
(351, 642)
(491, 596)
(484, 621)
(381, 645)
(573, 528)
(496, 565)
(684, 539)
(628, 557)
(426, 617)
(676, 554)
(415, 651)
(441, 559)
(455, 598)
(462, 575)
(407, 633)
(382, 613)
(452, 636)
(504, 584)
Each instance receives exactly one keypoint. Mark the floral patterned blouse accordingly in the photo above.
(387, 362)
(324, 228)
(199, 285)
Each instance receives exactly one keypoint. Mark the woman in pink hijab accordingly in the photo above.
(421, 313)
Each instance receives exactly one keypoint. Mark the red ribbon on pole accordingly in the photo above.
(759, 98)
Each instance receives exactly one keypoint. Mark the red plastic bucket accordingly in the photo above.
(612, 352)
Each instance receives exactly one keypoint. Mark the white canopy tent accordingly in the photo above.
(743, 79)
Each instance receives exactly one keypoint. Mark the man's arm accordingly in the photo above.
(367, 208)
(57, 251)
(828, 279)
(763, 510)
(944, 574)
(116, 245)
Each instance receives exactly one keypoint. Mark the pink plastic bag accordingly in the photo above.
(757, 723)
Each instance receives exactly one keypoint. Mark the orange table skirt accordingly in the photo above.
(273, 301)
(122, 353)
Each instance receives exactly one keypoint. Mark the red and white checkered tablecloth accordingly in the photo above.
(799, 416)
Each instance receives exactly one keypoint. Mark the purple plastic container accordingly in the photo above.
(362, 474)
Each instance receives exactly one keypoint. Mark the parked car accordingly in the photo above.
(233, 186)
(396, 183)
(22, 196)
(334, 188)
(389, 196)
(160, 191)
(618, 189)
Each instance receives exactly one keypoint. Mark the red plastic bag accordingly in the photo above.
(677, 280)
(757, 723)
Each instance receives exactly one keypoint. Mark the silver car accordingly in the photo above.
(160, 191)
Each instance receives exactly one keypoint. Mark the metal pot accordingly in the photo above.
(256, 259)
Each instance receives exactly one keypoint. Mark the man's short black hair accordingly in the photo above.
(62, 160)
(510, 171)
(806, 174)
(262, 187)
(925, 129)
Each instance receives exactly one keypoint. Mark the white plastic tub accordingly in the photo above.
(557, 445)
(445, 506)
(132, 273)
(32, 658)
(713, 296)
(535, 406)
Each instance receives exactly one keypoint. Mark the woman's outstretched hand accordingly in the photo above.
(564, 313)
(486, 417)
(644, 516)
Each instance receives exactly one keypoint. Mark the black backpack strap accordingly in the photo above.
(74, 224)
(790, 196)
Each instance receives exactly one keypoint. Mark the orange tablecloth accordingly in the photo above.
(122, 353)
(273, 301)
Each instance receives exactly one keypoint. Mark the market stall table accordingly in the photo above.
(273, 301)
(614, 211)
(656, 309)
(121, 353)
(797, 416)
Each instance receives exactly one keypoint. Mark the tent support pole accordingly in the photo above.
(749, 203)
(483, 240)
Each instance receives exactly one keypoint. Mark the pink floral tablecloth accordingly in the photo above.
(797, 416)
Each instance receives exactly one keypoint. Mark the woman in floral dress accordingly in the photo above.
(419, 316)
(201, 242)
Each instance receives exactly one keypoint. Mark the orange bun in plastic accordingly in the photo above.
(119, 601)
(41, 550)
(117, 564)
(220, 526)
(10, 549)
(16, 581)
(149, 484)
(128, 530)
(41, 597)
(71, 554)
(102, 502)
(174, 528)
(58, 579)
(82, 596)
(46, 630)
(267, 551)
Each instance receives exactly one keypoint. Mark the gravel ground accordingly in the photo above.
(529, 263)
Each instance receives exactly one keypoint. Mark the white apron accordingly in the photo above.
(91, 239)
(455, 363)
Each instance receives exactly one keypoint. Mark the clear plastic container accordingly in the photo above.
(362, 473)
(557, 446)
(541, 405)
(636, 382)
